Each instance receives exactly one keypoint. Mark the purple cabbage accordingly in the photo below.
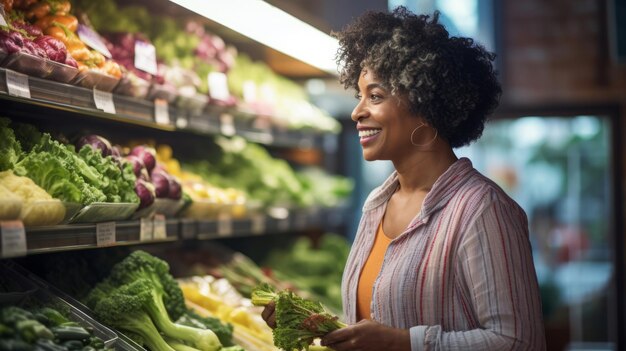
(147, 155)
(69, 60)
(138, 167)
(161, 181)
(53, 47)
(31, 48)
(116, 151)
(31, 30)
(176, 191)
(145, 192)
(11, 42)
(97, 142)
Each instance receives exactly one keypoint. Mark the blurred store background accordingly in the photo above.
(555, 145)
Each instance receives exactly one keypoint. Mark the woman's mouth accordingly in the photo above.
(368, 135)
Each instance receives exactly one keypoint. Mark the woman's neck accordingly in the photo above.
(420, 170)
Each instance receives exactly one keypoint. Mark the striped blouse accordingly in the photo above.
(461, 276)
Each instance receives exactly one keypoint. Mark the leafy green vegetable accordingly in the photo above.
(316, 270)
(223, 331)
(298, 321)
(250, 168)
(142, 298)
(118, 184)
(122, 309)
(10, 149)
(51, 175)
(27, 134)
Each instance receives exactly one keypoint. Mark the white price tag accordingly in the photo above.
(103, 101)
(105, 234)
(160, 228)
(227, 124)
(93, 40)
(146, 229)
(161, 112)
(145, 57)
(258, 224)
(17, 84)
(13, 239)
(224, 225)
(218, 86)
(3, 22)
(283, 224)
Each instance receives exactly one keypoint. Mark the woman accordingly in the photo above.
(441, 259)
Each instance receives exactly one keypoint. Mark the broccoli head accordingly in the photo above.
(141, 265)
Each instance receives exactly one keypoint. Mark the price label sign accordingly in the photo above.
(17, 84)
(93, 40)
(160, 228)
(227, 124)
(218, 86)
(161, 112)
(224, 225)
(146, 229)
(258, 224)
(13, 239)
(145, 57)
(105, 234)
(103, 101)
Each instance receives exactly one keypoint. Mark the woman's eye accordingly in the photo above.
(357, 96)
(375, 97)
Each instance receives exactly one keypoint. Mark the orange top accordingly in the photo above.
(370, 272)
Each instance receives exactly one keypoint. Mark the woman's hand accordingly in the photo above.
(368, 336)
(269, 315)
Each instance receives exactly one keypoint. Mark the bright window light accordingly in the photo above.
(272, 27)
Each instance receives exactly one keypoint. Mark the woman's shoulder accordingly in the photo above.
(482, 191)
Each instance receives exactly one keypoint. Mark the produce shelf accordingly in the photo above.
(85, 236)
(211, 120)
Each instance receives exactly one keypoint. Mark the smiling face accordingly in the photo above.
(383, 120)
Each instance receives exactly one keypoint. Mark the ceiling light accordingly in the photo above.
(272, 27)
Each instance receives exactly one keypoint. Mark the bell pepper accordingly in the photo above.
(70, 22)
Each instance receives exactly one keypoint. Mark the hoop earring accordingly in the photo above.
(426, 144)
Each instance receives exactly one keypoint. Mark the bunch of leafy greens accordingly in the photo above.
(141, 298)
(10, 148)
(118, 181)
(58, 169)
(84, 177)
(317, 270)
(298, 321)
(250, 168)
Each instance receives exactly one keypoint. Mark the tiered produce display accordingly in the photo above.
(78, 43)
(52, 179)
(70, 185)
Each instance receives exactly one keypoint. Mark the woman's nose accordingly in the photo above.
(358, 112)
